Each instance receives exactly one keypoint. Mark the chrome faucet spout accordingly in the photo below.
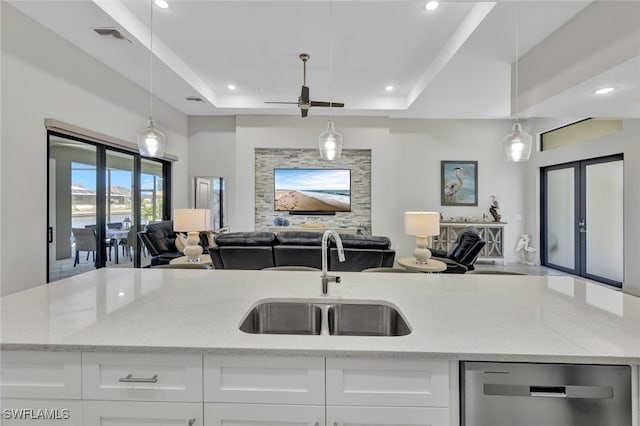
(326, 279)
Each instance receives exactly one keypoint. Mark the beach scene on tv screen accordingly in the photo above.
(312, 190)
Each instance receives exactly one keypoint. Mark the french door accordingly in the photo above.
(582, 229)
(99, 197)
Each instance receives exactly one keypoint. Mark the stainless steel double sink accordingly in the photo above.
(342, 318)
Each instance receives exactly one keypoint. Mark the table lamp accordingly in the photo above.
(192, 221)
(422, 225)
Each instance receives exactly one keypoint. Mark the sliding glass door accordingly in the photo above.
(582, 218)
(99, 198)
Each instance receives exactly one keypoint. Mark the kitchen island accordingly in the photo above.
(190, 319)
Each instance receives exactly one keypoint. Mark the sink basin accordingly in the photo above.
(315, 318)
(283, 318)
(351, 319)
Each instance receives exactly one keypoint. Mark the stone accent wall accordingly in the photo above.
(358, 160)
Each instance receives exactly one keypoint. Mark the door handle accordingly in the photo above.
(581, 226)
(50, 234)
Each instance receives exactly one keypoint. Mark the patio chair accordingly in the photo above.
(85, 241)
(108, 242)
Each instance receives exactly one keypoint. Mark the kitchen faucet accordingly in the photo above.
(326, 279)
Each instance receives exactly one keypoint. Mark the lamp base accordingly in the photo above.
(422, 253)
(193, 250)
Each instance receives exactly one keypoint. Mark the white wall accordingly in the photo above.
(625, 142)
(43, 76)
(405, 157)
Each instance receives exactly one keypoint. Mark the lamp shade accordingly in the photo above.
(191, 220)
(517, 144)
(151, 141)
(422, 224)
(330, 143)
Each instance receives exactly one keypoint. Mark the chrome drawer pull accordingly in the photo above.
(131, 379)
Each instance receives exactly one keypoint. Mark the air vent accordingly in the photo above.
(111, 32)
(195, 99)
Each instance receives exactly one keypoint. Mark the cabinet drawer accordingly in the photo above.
(142, 377)
(114, 413)
(42, 412)
(257, 414)
(264, 379)
(387, 416)
(392, 382)
(35, 374)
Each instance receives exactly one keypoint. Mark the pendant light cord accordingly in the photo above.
(151, 60)
(330, 58)
(517, 60)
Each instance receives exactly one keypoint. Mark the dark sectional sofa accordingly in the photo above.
(259, 250)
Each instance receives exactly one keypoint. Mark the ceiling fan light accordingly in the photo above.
(517, 144)
(330, 143)
(151, 141)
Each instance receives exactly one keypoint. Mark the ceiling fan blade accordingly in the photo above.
(304, 95)
(327, 104)
(287, 103)
(304, 112)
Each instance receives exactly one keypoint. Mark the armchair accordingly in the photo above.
(464, 252)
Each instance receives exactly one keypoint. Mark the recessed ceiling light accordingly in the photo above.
(231, 86)
(162, 4)
(432, 5)
(604, 90)
(390, 88)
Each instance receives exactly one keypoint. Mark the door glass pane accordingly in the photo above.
(72, 205)
(151, 197)
(604, 221)
(121, 237)
(560, 218)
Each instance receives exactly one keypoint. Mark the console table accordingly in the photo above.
(492, 232)
(338, 229)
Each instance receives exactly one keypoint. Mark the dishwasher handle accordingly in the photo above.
(536, 391)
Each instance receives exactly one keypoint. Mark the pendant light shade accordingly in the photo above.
(151, 141)
(330, 143)
(517, 144)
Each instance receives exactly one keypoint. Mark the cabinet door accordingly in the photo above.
(264, 379)
(387, 382)
(39, 374)
(42, 412)
(493, 237)
(142, 377)
(387, 416)
(118, 413)
(263, 415)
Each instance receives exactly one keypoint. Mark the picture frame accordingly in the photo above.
(459, 183)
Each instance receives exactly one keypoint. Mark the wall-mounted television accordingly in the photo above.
(312, 191)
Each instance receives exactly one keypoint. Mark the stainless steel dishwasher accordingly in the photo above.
(523, 394)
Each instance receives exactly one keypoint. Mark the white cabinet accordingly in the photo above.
(264, 379)
(142, 377)
(41, 412)
(37, 374)
(120, 413)
(387, 416)
(40, 388)
(387, 382)
(387, 392)
(263, 414)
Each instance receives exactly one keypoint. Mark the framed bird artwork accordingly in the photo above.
(459, 183)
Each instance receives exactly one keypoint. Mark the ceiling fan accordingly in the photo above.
(304, 103)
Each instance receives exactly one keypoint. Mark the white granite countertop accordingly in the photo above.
(471, 317)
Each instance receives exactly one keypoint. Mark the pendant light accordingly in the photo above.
(151, 141)
(517, 144)
(330, 141)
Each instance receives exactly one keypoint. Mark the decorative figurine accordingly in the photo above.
(494, 209)
(523, 249)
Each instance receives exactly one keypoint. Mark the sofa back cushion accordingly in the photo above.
(249, 239)
(300, 238)
(298, 255)
(357, 259)
(162, 236)
(467, 247)
(241, 257)
(363, 242)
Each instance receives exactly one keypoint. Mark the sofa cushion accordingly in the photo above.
(357, 260)
(246, 239)
(243, 257)
(297, 255)
(300, 238)
(363, 242)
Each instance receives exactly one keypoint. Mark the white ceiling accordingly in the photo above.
(454, 62)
